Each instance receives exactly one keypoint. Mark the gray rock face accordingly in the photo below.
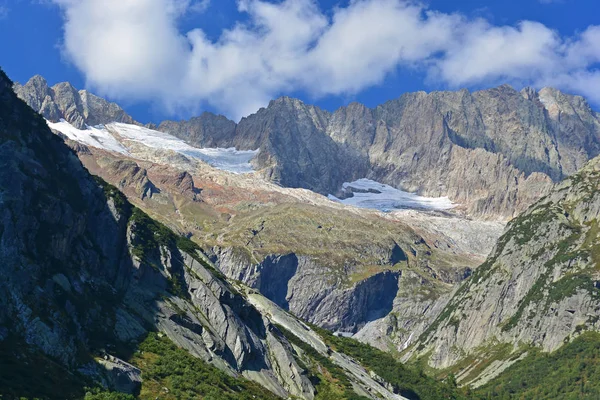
(294, 151)
(122, 376)
(207, 130)
(418, 302)
(495, 151)
(63, 101)
(540, 286)
(309, 289)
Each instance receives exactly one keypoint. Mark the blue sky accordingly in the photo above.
(327, 53)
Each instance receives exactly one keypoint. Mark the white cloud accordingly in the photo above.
(367, 40)
(132, 49)
(200, 6)
(529, 54)
(487, 52)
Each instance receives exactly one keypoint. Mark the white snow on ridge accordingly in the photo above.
(110, 138)
(230, 159)
(375, 195)
(97, 137)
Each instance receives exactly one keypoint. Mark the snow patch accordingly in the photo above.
(111, 138)
(97, 137)
(367, 193)
(230, 159)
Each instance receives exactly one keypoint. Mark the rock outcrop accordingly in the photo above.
(63, 101)
(539, 287)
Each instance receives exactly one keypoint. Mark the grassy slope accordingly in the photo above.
(571, 372)
(184, 376)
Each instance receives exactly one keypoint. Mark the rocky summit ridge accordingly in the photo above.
(494, 151)
(62, 101)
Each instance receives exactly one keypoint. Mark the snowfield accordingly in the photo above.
(114, 137)
(118, 137)
(230, 159)
(96, 137)
(375, 195)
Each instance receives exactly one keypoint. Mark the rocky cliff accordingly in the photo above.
(63, 101)
(539, 288)
(495, 151)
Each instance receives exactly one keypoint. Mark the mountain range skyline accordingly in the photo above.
(427, 46)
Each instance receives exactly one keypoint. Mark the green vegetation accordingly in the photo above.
(169, 372)
(331, 383)
(150, 236)
(98, 394)
(410, 382)
(333, 238)
(477, 361)
(569, 285)
(524, 227)
(571, 372)
(111, 192)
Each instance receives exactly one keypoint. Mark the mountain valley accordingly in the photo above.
(452, 232)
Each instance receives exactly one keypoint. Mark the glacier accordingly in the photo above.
(366, 193)
(228, 159)
(114, 137)
(93, 136)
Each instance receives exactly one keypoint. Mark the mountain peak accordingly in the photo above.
(37, 80)
(286, 100)
(64, 101)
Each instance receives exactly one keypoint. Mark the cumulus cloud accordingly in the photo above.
(133, 49)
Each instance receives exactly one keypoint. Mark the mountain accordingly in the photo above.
(336, 267)
(494, 151)
(63, 101)
(539, 288)
(95, 292)
(332, 265)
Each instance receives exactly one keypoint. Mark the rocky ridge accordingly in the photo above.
(494, 151)
(540, 287)
(62, 101)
